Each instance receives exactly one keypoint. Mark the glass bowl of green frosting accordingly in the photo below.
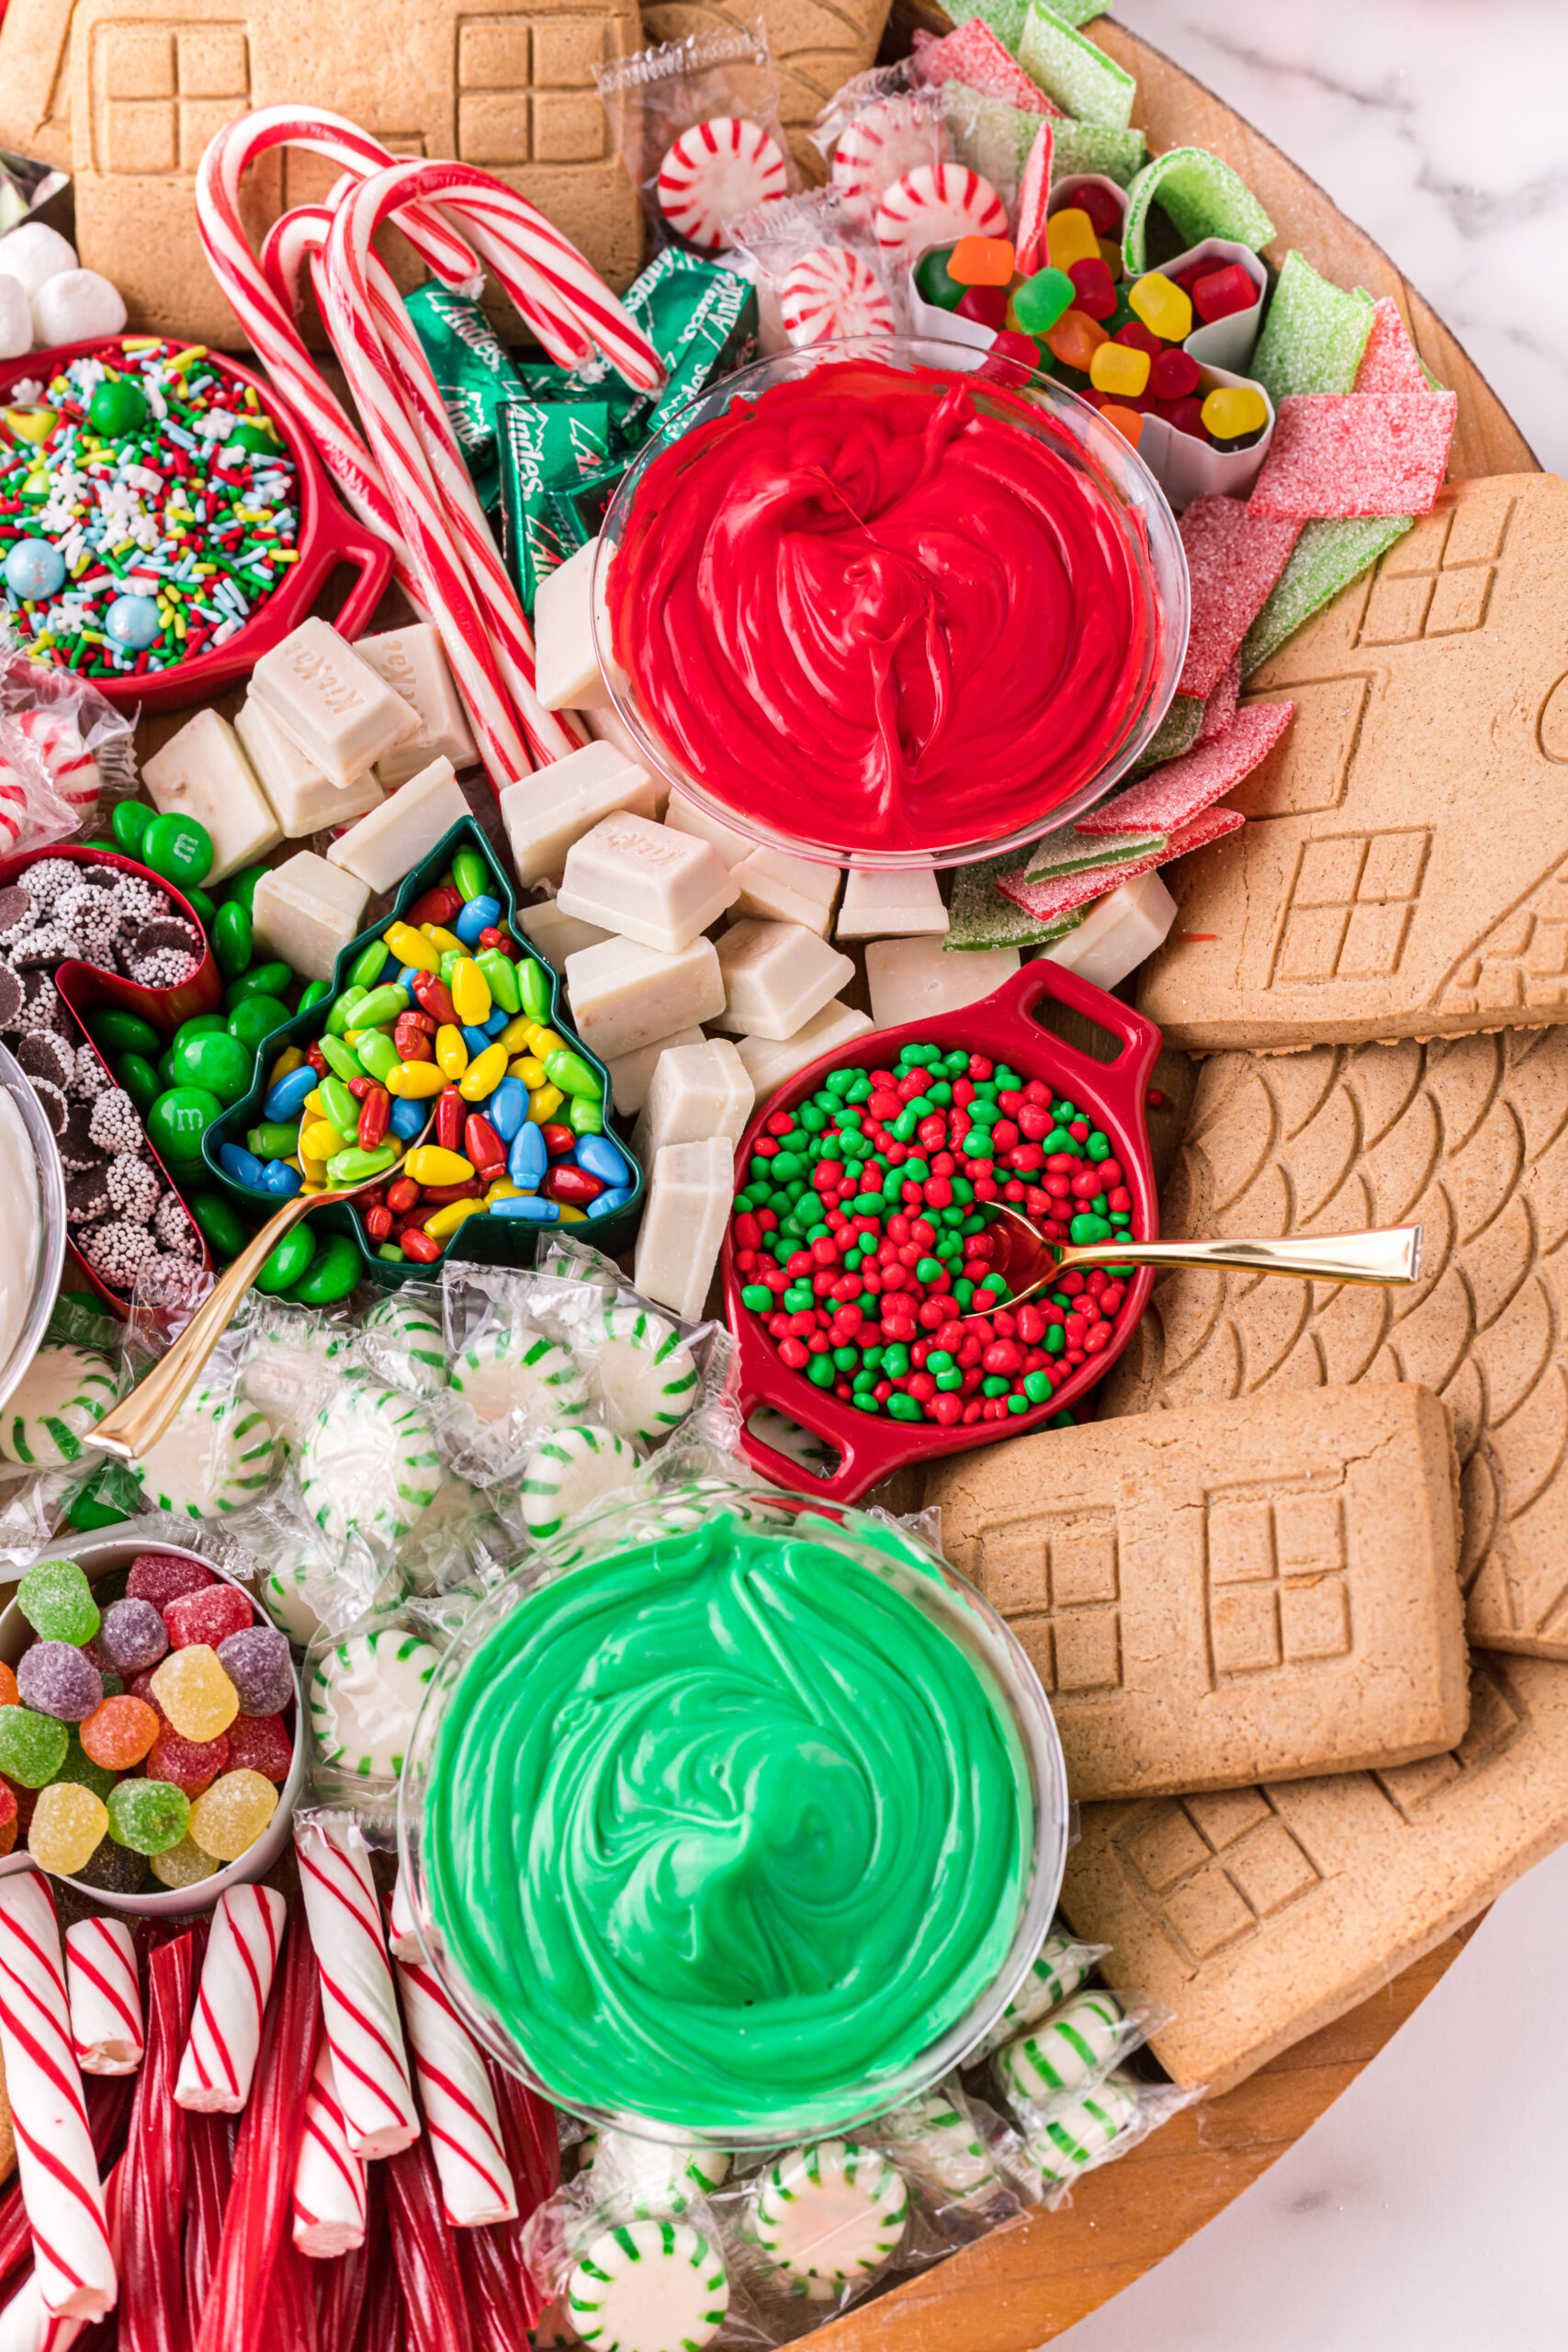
(736, 1820)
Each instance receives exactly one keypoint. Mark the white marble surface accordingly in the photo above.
(1424, 2213)
(1439, 126)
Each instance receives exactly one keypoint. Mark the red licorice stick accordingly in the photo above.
(234, 2318)
(496, 2288)
(292, 2298)
(210, 2169)
(381, 2314)
(153, 2314)
(110, 2100)
(435, 2312)
(532, 2157)
(346, 2279)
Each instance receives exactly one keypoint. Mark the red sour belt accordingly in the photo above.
(873, 614)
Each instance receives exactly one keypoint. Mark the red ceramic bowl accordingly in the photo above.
(1002, 1026)
(84, 987)
(328, 535)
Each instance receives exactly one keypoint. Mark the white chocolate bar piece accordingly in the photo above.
(203, 773)
(632, 1074)
(624, 995)
(682, 1223)
(1118, 931)
(769, 1063)
(390, 841)
(413, 663)
(567, 674)
(544, 813)
(777, 976)
(644, 882)
(558, 935)
(684, 817)
(697, 1091)
(608, 726)
(911, 978)
(300, 797)
(781, 888)
(900, 905)
(330, 703)
(306, 911)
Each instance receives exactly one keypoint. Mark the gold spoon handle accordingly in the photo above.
(1391, 1254)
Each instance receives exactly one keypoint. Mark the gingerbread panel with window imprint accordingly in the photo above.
(1055, 1578)
(1212, 1870)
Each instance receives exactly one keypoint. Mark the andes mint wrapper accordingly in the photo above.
(546, 451)
(700, 317)
(474, 376)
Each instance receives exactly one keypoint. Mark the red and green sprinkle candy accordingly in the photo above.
(861, 1237)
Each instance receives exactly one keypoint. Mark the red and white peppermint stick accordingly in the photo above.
(328, 2183)
(401, 1933)
(477, 2187)
(359, 2002)
(893, 136)
(230, 2001)
(72, 2254)
(105, 1996)
(935, 205)
(1033, 197)
(26, 2325)
(713, 173)
(832, 292)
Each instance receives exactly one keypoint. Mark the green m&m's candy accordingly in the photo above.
(178, 1120)
(178, 848)
(214, 1061)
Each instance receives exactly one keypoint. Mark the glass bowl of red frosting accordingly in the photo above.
(868, 605)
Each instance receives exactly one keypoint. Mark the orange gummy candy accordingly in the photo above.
(119, 1733)
(9, 1695)
(981, 261)
(1127, 421)
(1075, 339)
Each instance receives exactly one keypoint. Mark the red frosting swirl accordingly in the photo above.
(873, 610)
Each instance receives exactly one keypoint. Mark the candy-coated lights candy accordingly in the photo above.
(1231, 411)
(1071, 236)
(982, 261)
(1162, 305)
(1117, 369)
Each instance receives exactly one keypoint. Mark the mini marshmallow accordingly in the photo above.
(631, 1075)
(544, 813)
(16, 318)
(777, 976)
(624, 995)
(34, 253)
(911, 978)
(781, 888)
(697, 1091)
(643, 881)
(901, 904)
(75, 307)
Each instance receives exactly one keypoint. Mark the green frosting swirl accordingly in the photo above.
(724, 1829)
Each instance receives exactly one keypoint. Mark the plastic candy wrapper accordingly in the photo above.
(1081, 2134)
(1063, 2053)
(1060, 1968)
(84, 747)
(819, 270)
(879, 125)
(49, 1474)
(363, 1688)
(32, 813)
(697, 122)
(550, 450)
(290, 1356)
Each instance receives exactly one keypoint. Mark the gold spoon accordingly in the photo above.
(139, 1420)
(1029, 1264)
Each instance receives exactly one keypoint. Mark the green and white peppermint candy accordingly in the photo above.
(287, 1374)
(403, 1341)
(1070, 2137)
(649, 2179)
(568, 1471)
(655, 2286)
(216, 1455)
(1072, 2047)
(643, 1373)
(65, 1392)
(1055, 1973)
(828, 2215)
(365, 1693)
(942, 2142)
(514, 1368)
(369, 1465)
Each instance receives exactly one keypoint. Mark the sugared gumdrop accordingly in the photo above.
(260, 1743)
(191, 1764)
(183, 1865)
(57, 1679)
(57, 1602)
(134, 1637)
(119, 1733)
(209, 1616)
(32, 1747)
(194, 1692)
(68, 1823)
(229, 1819)
(163, 1577)
(260, 1664)
(150, 1816)
(114, 1869)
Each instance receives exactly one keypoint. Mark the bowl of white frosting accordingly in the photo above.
(32, 1224)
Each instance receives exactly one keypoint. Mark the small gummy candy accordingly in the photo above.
(163, 1577)
(134, 1637)
(209, 1616)
(260, 1664)
(7, 1816)
(57, 1602)
(194, 1692)
(150, 1816)
(260, 1744)
(68, 1823)
(142, 1688)
(113, 1870)
(229, 1819)
(56, 1679)
(9, 1694)
(81, 1766)
(191, 1764)
(119, 1733)
(183, 1865)
(32, 1747)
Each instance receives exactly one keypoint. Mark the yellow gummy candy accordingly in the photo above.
(1164, 306)
(67, 1828)
(1119, 368)
(1071, 236)
(227, 1819)
(195, 1693)
(1232, 410)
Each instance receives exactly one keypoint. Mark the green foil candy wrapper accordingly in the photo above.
(546, 448)
(473, 373)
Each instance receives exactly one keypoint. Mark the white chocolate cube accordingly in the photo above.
(697, 1091)
(631, 1075)
(567, 674)
(682, 1223)
(330, 703)
(412, 661)
(890, 906)
(203, 773)
(624, 995)
(306, 911)
(781, 888)
(910, 978)
(645, 883)
(544, 813)
(300, 797)
(1119, 931)
(777, 976)
(683, 816)
(558, 935)
(390, 841)
(769, 1062)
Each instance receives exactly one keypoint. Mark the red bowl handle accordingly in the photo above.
(341, 538)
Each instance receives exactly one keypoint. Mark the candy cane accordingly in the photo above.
(359, 2004)
(328, 2183)
(476, 2189)
(105, 1996)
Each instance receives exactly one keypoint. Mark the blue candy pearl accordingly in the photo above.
(35, 568)
(133, 621)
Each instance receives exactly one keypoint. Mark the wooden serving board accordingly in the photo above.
(1025, 2285)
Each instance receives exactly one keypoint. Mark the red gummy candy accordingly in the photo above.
(1139, 338)
(8, 1803)
(1174, 374)
(142, 1688)
(1094, 288)
(1223, 292)
(191, 1764)
(259, 1743)
(987, 305)
(1104, 212)
(208, 1616)
(161, 1577)
(1011, 359)
(1186, 415)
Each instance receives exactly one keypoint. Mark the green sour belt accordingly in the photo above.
(722, 1828)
